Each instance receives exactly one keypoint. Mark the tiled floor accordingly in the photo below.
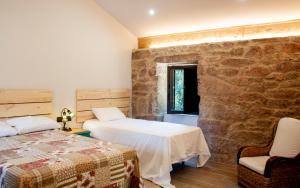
(212, 175)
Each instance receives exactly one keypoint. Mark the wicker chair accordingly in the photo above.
(275, 165)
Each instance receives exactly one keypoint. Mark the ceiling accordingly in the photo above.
(174, 16)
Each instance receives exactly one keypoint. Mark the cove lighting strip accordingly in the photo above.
(224, 39)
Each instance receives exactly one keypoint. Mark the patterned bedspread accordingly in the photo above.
(58, 159)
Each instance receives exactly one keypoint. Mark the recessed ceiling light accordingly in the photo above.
(151, 12)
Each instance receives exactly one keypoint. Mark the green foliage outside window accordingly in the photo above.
(179, 89)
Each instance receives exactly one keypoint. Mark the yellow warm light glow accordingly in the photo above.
(223, 39)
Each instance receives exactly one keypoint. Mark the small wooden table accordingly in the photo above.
(81, 132)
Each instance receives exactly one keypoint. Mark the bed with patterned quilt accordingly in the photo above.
(54, 158)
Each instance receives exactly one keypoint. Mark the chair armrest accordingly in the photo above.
(282, 166)
(252, 151)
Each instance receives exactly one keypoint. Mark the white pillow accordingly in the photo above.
(108, 114)
(29, 124)
(287, 139)
(7, 130)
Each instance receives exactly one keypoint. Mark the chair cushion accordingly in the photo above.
(287, 139)
(256, 164)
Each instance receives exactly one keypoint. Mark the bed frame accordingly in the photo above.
(86, 99)
(20, 102)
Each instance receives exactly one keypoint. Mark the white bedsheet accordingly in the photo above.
(158, 144)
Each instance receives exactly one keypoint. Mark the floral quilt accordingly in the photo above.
(57, 159)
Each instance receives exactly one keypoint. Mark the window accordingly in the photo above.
(182, 90)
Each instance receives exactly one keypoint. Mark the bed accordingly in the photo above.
(158, 144)
(53, 158)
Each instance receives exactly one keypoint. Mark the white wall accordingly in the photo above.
(62, 45)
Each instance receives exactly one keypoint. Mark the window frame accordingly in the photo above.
(170, 89)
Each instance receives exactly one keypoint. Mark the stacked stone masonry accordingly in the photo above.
(245, 88)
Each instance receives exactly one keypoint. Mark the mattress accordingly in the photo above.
(57, 159)
(158, 144)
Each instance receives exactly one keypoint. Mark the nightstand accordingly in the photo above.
(81, 132)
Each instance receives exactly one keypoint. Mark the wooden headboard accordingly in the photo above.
(86, 99)
(19, 102)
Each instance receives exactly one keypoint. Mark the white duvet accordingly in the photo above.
(158, 144)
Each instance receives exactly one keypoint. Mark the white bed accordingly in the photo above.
(158, 144)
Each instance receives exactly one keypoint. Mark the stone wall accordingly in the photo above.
(245, 87)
